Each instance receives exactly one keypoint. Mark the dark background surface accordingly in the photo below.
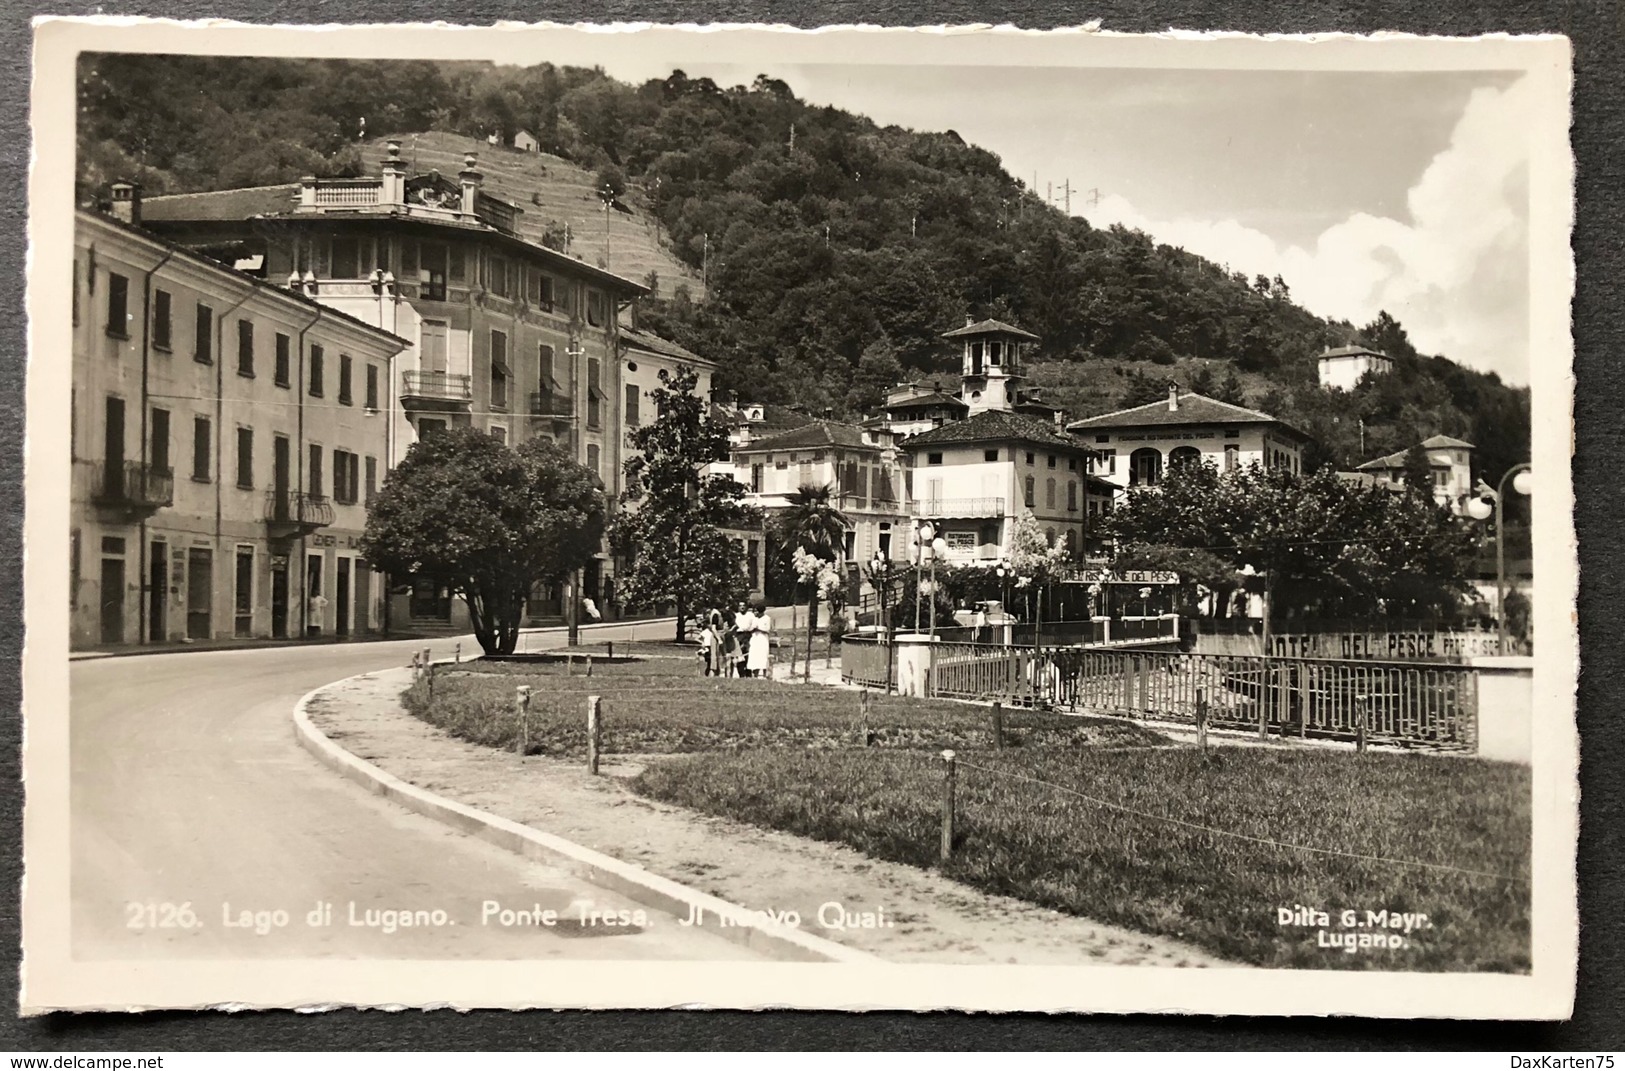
(1597, 28)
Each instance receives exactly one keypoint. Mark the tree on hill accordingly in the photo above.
(673, 528)
(1230, 390)
(1418, 472)
(487, 522)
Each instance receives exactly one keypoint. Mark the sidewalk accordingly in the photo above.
(931, 919)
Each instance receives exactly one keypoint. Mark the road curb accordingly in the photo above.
(637, 884)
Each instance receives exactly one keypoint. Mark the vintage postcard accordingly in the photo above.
(639, 516)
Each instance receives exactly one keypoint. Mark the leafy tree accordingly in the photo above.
(877, 371)
(1418, 472)
(810, 530)
(1231, 391)
(487, 522)
(672, 530)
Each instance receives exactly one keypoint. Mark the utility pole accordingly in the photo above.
(1049, 193)
(1094, 196)
(705, 262)
(792, 137)
(1066, 189)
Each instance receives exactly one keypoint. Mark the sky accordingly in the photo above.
(1402, 191)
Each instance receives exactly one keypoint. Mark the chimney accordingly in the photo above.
(1173, 397)
(126, 202)
(394, 189)
(969, 320)
(471, 183)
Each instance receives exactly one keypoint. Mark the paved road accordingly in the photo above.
(188, 787)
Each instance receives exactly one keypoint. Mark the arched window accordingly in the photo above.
(1145, 467)
(1072, 542)
(1049, 493)
(1049, 536)
(1184, 455)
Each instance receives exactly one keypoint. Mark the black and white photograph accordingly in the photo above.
(592, 517)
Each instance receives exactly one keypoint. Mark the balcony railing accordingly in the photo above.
(347, 193)
(548, 404)
(443, 387)
(959, 507)
(295, 512)
(132, 486)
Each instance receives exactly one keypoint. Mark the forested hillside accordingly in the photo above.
(835, 250)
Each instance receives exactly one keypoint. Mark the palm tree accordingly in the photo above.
(812, 522)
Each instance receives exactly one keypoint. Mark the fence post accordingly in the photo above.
(1362, 716)
(609, 646)
(998, 726)
(457, 652)
(1201, 719)
(522, 700)
(947, 805)
(589, 665)
(865, 737)
(1266, 679)
(792, 656)
(426, 659)
(417, 670)
(595, 733)
(569, 665)
(428, 670)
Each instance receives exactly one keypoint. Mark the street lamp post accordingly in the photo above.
(1004, 573)
(880, 574)
(1522, 477)
(1248, 570)
(922, 541)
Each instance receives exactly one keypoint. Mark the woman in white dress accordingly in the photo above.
(760, 656)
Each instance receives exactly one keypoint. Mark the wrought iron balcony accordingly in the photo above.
(959, 507)
(436, 390)
(132, 487)
(550, 405)
(290, 513)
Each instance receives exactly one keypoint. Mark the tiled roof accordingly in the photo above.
(651, 343)
(1395, 461)
(221, 204)
(1445, 442)
(818, 433)
(989, 327)
(1193, 409)
(1355, 351)
(994, 425)
(932, 397)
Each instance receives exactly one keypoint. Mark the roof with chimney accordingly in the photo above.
(1396, 460)
(990, 327)
(1176, 410)
(994, 425)
(818, 434)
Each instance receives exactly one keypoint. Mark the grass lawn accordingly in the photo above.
(660, 706)
(1221, 893)
(791, 757)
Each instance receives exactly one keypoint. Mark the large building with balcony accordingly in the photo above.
(974, 478)
(1134, 447)
(861, 467)
(503, 334)
(225, 437)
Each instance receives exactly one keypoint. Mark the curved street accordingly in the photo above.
(188, 787)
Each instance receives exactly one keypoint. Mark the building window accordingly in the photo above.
(1029, 492)
(161, 329)
(345, 364)
(346, 477)
(1145, 467)
(284, 361)
(1232, 433)
(346, 258)
(458, 267)
(595, 394)
(118, 305)
(1029, 457)
(1105, 463)
(245, 457)
(372, 478)
(159, 451)
(499, 433)
(317, 379)
(990, 455)
(1049, 536)
(1049, 493)
(1072, 464)
(1071, 496)
(200, 448)
(314, 472)
(595, 308)
(632, 394)
(1103, 438)
(245, 347)
(432, 272)
(1184, 455)
(546, 374)
(1051, 460)
(541, 286)
(499, 277)
(756, 478)
(1232, 456)
(499, 370)
(203, 344)
(592, 458)
(934, 458)
(372, 386)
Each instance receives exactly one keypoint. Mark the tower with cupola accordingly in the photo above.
(991, 375)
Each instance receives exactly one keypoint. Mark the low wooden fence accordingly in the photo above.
(1431, 705)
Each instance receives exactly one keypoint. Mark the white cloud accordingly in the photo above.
(1455, 274)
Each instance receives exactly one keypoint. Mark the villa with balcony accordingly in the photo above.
(974, 478)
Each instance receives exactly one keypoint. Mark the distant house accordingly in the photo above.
(1451, 462)
(525, 141)
(1133, 447)
(1343, 367)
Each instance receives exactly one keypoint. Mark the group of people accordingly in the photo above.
(737, 643)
